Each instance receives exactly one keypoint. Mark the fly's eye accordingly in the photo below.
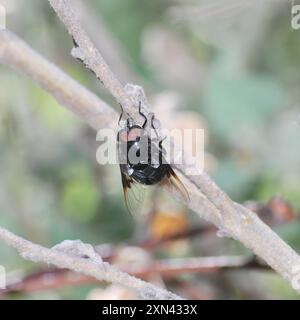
(123, 136)
(134, 134)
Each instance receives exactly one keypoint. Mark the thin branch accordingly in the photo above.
(60, 278)
(110, 47)
(92, 266)
(92, 57)
(151, 243)
(68, 92)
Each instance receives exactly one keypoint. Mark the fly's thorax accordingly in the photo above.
(136, 147)
(130, 134)
(138, 150)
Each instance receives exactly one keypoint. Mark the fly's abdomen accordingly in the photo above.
(148, 175)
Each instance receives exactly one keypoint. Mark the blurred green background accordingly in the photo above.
(230, 66)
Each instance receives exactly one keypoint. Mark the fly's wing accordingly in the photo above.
(134, 194)
(171, 179)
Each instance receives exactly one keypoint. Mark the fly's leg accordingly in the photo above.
(141, 113)
(155, 129)
(162, 151)
(161, 142)
(121, 115)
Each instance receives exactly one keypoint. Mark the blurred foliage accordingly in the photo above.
(80, 195)
(239, 74)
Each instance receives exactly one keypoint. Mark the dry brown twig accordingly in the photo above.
(206, 198)
(54, 278)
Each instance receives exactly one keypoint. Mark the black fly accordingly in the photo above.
(142, 161)
(151, 169)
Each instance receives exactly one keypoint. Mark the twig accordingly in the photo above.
(105, 41)
(91, 56)
(68, 92)
(71, 255)
(60, 278)
(151, 243)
